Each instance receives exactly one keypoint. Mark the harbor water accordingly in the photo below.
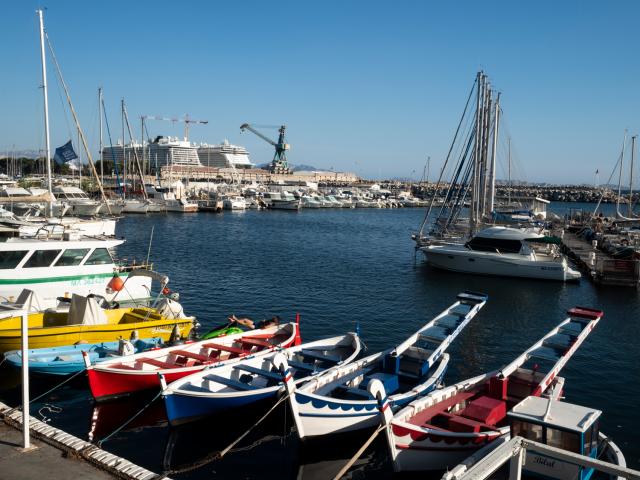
(339, 268)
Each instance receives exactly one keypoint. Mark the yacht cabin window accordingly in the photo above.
(11, 259)
(41, 258)
(569, 441)
(530, 431)
(72, 257)
(100, 256)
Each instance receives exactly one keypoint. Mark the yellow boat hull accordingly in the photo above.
(121, 324)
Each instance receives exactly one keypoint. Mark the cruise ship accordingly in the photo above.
(157, 153)
(224, 155)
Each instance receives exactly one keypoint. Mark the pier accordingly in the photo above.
(600, 266)
(59, 455)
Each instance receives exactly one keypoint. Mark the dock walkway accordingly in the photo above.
(59, 455)
(600, 266)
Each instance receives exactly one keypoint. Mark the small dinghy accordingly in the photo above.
(223, 387)
(440, 430)
(116, 377)
(338, 401)
(68, 359)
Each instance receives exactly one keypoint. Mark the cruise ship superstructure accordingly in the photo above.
(159, 152)
(224, 155)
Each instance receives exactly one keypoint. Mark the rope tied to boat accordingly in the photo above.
(127, 422)
(359, 453)
(19, 407)
(219, 455)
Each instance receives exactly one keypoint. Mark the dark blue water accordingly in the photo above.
(338, 268)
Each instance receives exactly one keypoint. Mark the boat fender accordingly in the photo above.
(116, 283)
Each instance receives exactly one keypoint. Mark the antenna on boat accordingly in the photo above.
(150, 241)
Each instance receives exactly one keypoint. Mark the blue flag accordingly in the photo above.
(65, 153)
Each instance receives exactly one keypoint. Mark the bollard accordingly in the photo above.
(25, 380)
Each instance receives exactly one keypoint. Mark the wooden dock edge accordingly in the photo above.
(76, 447)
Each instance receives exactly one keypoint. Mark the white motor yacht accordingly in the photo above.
(236, 202)
(310, 202)
(281, 201)
(78, 200)
(503, 251)
(135, 206)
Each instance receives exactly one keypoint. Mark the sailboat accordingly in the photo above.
(467, 245)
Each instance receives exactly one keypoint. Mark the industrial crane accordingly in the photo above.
(279, 163)
(185, 120)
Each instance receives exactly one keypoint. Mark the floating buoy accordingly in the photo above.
(116, 284)
(166, 291)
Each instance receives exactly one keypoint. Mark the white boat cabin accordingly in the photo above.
(573, 428)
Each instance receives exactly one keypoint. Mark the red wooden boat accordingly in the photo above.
(440, 430)
(121, 376)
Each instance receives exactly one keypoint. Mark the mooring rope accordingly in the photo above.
(19, 407)
(357, 455)
(100, 442)
(219, 455)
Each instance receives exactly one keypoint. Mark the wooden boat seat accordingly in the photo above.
(458, 423)
(486, 410)
(358, 392)
(256, 342)
(316, 355)
(225, 348)
(301, 366)
(259, 371)
(229, 382)
(188, 354)
(424, 416)
(156, 363)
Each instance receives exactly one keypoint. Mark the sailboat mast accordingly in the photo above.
(492, 171)
(620, 174)
(46, 106)
(100, 126)
(509, 175)
(633, 153)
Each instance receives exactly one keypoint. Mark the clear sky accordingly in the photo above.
(364, 86)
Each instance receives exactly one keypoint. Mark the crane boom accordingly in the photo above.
(185, 120)
(246, 126)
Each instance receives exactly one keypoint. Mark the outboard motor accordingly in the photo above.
(125, 347)
(175, 337)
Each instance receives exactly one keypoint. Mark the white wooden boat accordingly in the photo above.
(338, 400)
(441, 429)
(254, 378)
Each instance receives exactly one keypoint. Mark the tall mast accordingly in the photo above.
(492, 171)
(124, 156)
(101, 145)
(620, 174)
(476, 155)
(509, 181)
(633, 153)
(46, 106)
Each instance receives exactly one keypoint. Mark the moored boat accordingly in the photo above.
(68, 359)
(338, 401)
(139, 372)
(87, 320)
(254, 378)
(440, 430)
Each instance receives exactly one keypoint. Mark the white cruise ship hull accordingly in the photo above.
(458, 258)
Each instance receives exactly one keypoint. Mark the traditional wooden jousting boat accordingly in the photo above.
(140, 372)
(441, 429)
(69, 359)
(254, 378)
(338, 400)
(87, 321)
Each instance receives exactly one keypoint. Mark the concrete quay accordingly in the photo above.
(57, 455)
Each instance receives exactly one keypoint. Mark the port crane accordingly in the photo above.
(279, 163)
(187, 121)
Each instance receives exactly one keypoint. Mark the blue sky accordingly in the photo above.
(365, 86)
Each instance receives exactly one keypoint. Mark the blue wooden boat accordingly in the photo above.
(68, 359)
(338, 401)
(254, 378)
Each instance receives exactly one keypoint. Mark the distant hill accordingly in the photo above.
(294, 168)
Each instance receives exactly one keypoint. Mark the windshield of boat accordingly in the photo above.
(485, 244)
